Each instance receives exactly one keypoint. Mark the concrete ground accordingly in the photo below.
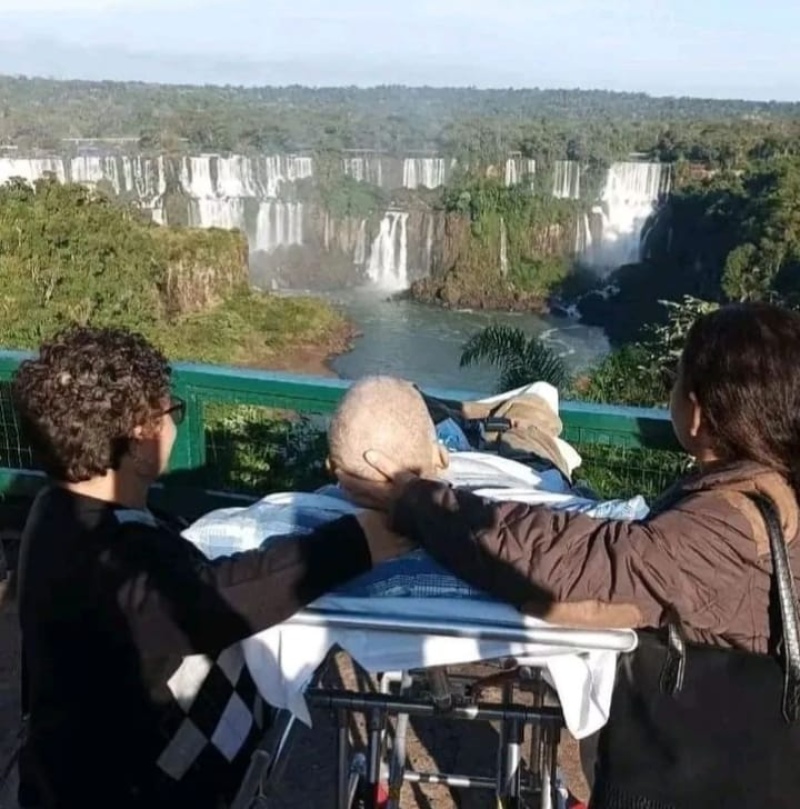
(452, 747)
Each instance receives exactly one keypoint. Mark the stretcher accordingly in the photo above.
(372, 775)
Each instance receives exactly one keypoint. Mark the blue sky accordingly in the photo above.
(719, 48)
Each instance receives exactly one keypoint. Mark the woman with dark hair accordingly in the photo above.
(130, 701)
(703, 555)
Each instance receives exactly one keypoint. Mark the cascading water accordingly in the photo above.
(227, 214)
(429, 246)
(94, 170)
(222, 189)
(503, 248)
(360, 253)
(212, 176)
(31, 169)
(629, 197)
(279, 224)
(364, 169)
(388, 261)
(583, 237)
(519, 169)
(424, 172)
(142, 179)
(566, 179)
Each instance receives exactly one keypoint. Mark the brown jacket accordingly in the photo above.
(702, 552)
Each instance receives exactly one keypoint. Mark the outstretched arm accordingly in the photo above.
(180, 603)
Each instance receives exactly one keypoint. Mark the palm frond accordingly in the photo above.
(519, 358)
(494, 345)
(544, 364)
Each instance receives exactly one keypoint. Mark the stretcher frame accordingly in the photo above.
(432, 692)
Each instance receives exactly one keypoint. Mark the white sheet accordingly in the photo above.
(284, 658)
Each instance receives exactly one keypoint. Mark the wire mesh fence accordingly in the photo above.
(15, 449)
(255, 450)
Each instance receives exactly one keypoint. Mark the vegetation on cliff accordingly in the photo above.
(730, 237)
(70, 255)
(503, 248)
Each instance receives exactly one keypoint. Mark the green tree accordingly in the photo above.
(519, 359)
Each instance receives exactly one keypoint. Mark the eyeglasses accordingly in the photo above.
(177, 410)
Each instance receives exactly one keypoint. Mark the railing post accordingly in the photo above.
(189, 452)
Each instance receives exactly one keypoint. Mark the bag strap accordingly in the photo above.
(787, 600)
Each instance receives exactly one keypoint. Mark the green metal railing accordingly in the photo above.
(250, 432)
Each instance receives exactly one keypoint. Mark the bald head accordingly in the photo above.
(385, 414)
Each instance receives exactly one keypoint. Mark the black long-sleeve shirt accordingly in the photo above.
(109, 607)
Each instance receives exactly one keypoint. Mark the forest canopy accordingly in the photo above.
(593, 127)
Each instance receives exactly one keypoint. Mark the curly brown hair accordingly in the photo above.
(80, 400)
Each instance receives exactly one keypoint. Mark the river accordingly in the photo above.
(423, 343)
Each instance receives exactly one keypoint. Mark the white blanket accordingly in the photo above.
(284, 658)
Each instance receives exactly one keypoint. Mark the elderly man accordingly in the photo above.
(391, 416)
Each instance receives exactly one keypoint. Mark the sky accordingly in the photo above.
(709, 48)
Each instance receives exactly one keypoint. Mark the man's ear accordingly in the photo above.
(441, 457)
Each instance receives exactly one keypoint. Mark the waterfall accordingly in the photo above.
(429, 246)
(356, 168)
(518, 169)
(222, 189)
(31, 169)
(360, 254)
(629, 197)
(224, 192)
(364, 169)
(279, 224)
(583, 237)
(93, 170)
(503, 248)
(227, 214)
(424, 172)
(195, 178)
(143, 179)
(237, 176)
(388, 259)
(566, 179)
(299, 168)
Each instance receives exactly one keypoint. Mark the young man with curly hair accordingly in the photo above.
(118, 612)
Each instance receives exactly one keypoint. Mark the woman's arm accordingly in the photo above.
(529, 554)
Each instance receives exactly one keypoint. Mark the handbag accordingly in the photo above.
(694, 726)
